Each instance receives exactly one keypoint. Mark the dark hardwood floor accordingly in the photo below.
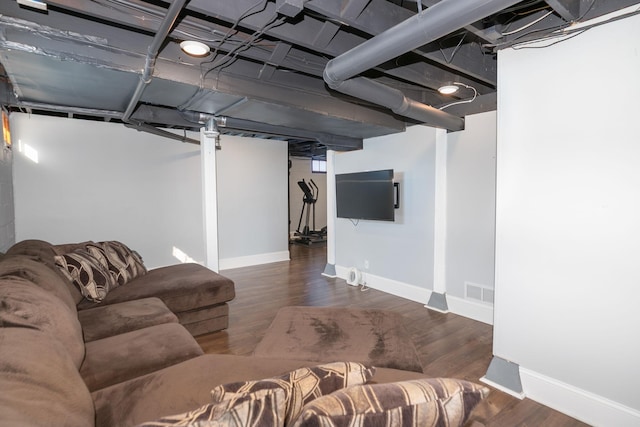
(449, 345)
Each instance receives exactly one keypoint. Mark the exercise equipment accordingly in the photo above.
(309, 235)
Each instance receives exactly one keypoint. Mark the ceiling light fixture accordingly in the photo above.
(448, 89)
(194, 48)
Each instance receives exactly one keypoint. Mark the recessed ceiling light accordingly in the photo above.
(194, 48)
(448, 89)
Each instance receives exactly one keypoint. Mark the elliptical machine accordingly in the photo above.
(309, 235)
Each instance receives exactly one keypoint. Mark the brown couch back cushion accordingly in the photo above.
(44, 252)
(40, 384)
(25, 305)
(39, 274)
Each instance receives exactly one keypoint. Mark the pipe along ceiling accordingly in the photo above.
(430, 24)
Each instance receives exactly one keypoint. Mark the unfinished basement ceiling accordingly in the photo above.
(265, 75)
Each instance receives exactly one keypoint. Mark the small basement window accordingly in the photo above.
(318, 166)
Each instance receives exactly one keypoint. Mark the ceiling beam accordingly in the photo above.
(380, 15)
(153, 114)
(487, 34)
(351, 9)
(325, 36)
(569, 10)
(147, 20)
(305, 30)
(79, 49)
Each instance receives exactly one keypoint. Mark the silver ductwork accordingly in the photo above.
(437, 21)
(152, 54)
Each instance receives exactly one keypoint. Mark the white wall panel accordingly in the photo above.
(568, 235)
(471, 182)
(400, 251)
(101, 181)
(252, 201)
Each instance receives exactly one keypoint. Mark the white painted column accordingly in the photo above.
(209, 199)
(438, 301)
(330, 268)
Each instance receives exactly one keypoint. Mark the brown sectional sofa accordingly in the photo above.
(121, 364)
(195, 294)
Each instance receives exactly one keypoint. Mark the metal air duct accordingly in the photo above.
(152, 54)
(437, 21)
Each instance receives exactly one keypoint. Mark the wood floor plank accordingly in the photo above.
(448, 345)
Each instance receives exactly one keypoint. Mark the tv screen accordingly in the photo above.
(365, 195)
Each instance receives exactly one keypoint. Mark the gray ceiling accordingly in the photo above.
(264, 75)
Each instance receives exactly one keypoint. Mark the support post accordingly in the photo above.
(330, 268)
(438, 299)
(209, 199)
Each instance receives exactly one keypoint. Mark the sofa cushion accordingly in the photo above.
(265, 408)
(40, 383)
(302, 385)
(39, 249)
(187, 385)
(39, 274)
(115, 319)
(26, 305)
(44, 252)
(92, 278)
(122, 357)
(181, 287)
(123, 263)
(420, 403)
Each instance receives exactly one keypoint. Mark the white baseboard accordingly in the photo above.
(471, 309)
(577, 403)
(393, 287)
(249, 260)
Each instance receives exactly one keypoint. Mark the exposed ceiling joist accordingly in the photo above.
(569, 10)
(83, 59)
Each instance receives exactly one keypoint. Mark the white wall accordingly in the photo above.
(400, 253)
(7, 219)
(444, 230)
(301, 169)
(470, 236)
(252, 201)
(102, 181)
(568, 228)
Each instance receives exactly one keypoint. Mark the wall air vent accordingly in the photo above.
(480, 293)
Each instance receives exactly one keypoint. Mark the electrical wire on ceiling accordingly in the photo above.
(455, 50)
(524, 27)
(465, 101)
(522, 41)
(156, 15)
(248, 12)
(232, 55)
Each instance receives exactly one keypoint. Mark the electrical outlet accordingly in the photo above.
(366, 264)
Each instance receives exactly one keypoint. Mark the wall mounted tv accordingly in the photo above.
(366, 195)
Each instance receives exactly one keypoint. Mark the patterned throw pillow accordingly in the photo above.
(302, 385)
(87, 273)
(442, 402)
(123, 263)
(264, 408)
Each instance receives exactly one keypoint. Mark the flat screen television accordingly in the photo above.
(366, 195)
